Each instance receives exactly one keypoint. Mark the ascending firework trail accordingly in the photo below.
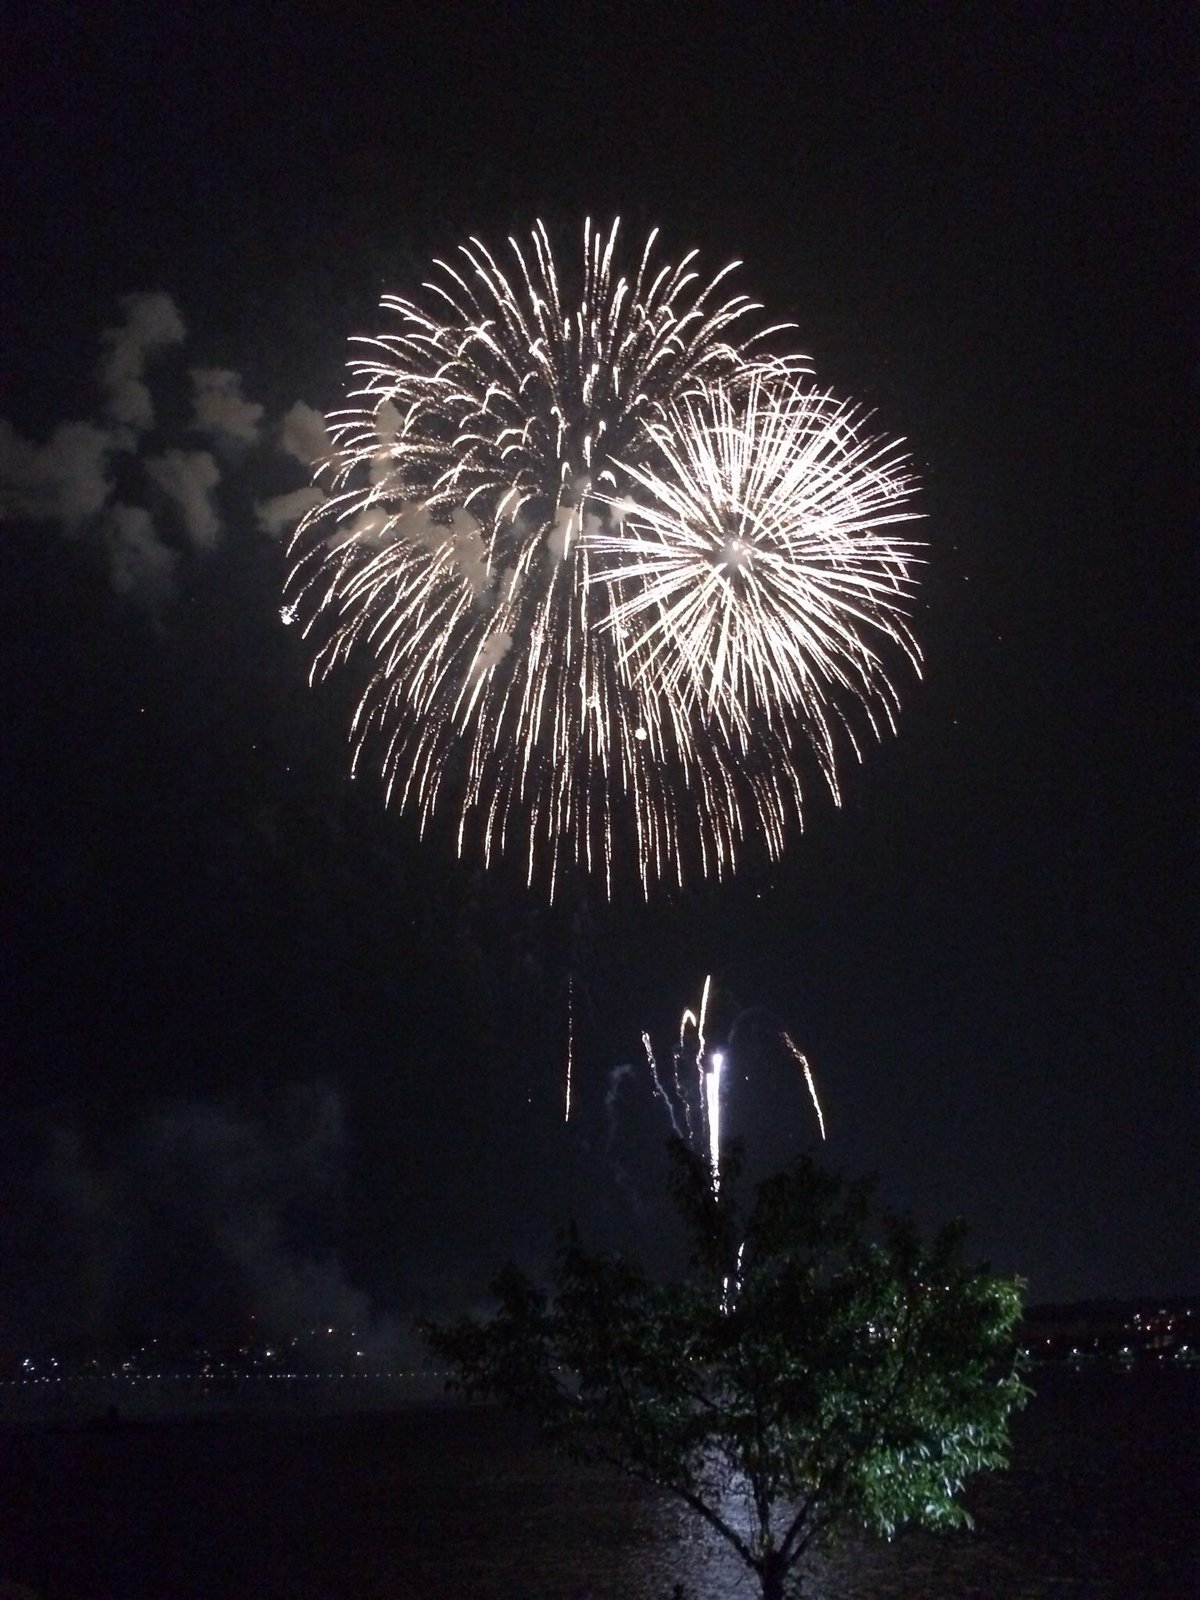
(692, 1095)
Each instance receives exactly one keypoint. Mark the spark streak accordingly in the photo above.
(570, 1046)
(658, 1086)
(709, 1072)
(808, 1078)
(712, 1106)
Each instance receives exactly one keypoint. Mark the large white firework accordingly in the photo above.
(759, 581)
(503, 471)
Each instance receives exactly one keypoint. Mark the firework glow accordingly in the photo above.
(611, 564)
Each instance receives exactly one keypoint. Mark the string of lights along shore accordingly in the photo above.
(626, 579)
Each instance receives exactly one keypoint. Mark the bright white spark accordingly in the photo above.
(712, 1106)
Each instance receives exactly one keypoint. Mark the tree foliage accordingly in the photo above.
(817, 1368)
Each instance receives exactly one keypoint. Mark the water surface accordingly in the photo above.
(438, 1502)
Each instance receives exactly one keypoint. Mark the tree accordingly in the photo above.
(817, 1368)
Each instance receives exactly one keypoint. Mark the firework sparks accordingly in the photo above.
(692, 1051)
(809, 1081)
(708, 1071)
(696, 1021)
(607, 563)
(758, 580)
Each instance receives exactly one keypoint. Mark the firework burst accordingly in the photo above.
(758, 581)
(515, 540)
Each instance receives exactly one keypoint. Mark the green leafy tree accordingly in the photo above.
(818, 1368)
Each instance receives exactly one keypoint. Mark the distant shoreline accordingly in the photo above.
(112, 1406)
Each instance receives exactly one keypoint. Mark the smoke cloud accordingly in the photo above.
(141, 567)
(199, 1217)
(282, 512)
(302, 435)
(462, 542)
(170, 509)
(152, 321)
(564, 532)
(493, 649)
(64, 480)
(188, 478)
(220, 408)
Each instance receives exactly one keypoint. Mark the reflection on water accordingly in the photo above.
(446, 1503)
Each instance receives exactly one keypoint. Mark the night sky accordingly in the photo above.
(266, 1050)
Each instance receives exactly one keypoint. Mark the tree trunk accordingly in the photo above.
(771, 1575)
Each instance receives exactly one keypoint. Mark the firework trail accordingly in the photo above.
(570, 1047)
(563, 653)
(659, 1091)
(692, 1051)
(808, 1080)
(712, 1113)
(696, 1021)
(708, 1070)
